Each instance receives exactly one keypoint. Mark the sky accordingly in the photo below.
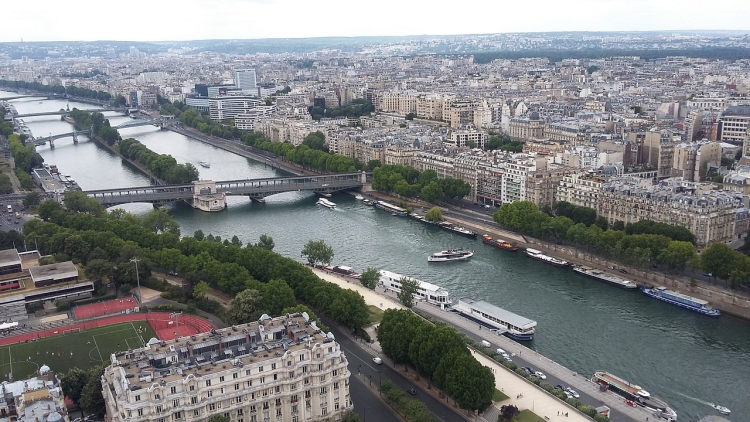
(167, 20)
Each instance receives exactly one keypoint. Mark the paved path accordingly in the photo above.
(534, 399)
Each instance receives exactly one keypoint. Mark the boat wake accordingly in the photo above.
(697, 400)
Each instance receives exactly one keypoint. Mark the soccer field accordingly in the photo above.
(82, 349)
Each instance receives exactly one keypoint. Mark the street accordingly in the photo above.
(365, 371)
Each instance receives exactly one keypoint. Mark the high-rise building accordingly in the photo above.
(280, 369)
(245, 80)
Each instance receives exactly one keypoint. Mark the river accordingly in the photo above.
(683, 357)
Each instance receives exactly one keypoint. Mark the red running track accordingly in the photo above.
(158, 321)
(104, 308)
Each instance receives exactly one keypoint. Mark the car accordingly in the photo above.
(528, 370)
(412, 391)
(377, 360)
(507, 357)
(501, 351)
(622, 270)
(540, 375)
(573, 392)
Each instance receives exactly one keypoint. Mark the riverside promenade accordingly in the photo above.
(507, 381)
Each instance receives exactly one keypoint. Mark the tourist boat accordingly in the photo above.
(359, 197)
(539, 256)
(607, 278)
(721, 409)
(205, 164)
(368, 202)
(500, 244)
(681, 300)
(458, 254)
(456, 229)
(326, 203)
(634, 393)
(427, 292)
(341, 269)
(390, 208)
(499, 320)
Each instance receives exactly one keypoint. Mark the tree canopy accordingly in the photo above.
(408, 288)
(317, 251)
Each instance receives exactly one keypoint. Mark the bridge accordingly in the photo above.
(135, 123)
(62, 112)
(24, 96)
(256, 189)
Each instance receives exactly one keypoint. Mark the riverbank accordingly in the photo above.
(728, 302)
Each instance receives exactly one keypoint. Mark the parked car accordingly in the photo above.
(573, 392)
(377, 360)
(529, 371)
(412, 391)
(540, 375)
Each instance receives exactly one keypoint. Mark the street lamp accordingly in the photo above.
(137, 278)
(177, 320)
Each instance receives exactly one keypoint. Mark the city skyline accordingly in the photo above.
(251, 19)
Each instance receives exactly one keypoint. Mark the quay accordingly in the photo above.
(507, 381)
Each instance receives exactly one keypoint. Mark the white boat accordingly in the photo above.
(326, 203)
(539, 256)
(428, 292)
(459, 254)
(205, 164)
(359, 197)
(721, 409)
(503, 322)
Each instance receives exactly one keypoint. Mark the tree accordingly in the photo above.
(32, 199)
(507, 413)
(434, 214)
(351, 417)
(201, 289)
(316, 140)
(218, 418)
(73, 382)
(51, 210)
(277, 295)
(265, 242)
(591, 69)
(92, 399)
(198, 235)
(408, 288)
(717, 259)
(370, 278)
(410, 116)
(97, 269)
(317, 251)
(245, 307)
(677, 255)
(431, 192)
(159, 221)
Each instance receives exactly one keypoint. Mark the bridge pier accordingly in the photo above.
(257, 199)
(75, 138)
(51, 143)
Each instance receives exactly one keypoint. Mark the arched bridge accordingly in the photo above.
(253, 188)
(42, 140)
(62, 112)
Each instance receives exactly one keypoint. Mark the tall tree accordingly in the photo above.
(317, 251)
(277, 295)
(408, 288)
(245, 307)
(92, 399)
(266, 242)
(433, 214)
(73, 382)
(370, 278)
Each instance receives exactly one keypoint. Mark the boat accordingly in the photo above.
(539, 256)
(458, 254)
(359, 197)
(634, 393)
(368, 202)
(607, 278)
(205, 164)
(499, 320)
(427, 292)
(390, 208)
(341, 269)
(681, 300)
(326, 203)
(721, 409)
(500, 244)
(456, 229)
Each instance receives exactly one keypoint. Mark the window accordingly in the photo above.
(295, 419)
(289, 363)
(260, 369)
(335, 372)
(192, 388)
(130, 414)
(238, 400)
(210, 393)
(158, 408)
(278, 411)
(278, 402)
(140, 412)
(236, 387)
(193, 400)
(249, 383)
(221, 378)
(178, 415)
(291, 374)
(277, 389)
(301, 358)
(294, 408)
(320, 367)
(262, 380)
(252, 408)
(273, 366)
(323, 411)
(307, 380)
(235, 375)
(322, 390)
(275, 377)
(335, 386)
(212, 407)
(293, 386)
(176, 403)
(304, 369)
(336, 406)
(208, 383)
(226, 415)
(222, 390)
(247, 372)
(173, 390)
(196, 413)
(322, 378)
(138, 397)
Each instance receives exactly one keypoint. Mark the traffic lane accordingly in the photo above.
(366, 403)
(521, 360)
(362, 367)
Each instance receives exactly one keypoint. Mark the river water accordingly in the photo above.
(683, 357)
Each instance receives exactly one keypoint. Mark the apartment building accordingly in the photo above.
(526, 128)
(399, 154)
(692, 158)
(430, 106)
(469, 136)
(580, 189)
(712, 216)
(280, 369)
(733, 125)
(398, 102)
(229, 107)
(490, 182)
(517, 169)
(542, 185)
(442, 165)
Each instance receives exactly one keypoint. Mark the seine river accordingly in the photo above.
(683, 357)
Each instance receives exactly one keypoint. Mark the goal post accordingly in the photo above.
(71, 331)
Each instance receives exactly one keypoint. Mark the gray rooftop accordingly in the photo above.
(9, 257)
(500, 313)
(56, 271)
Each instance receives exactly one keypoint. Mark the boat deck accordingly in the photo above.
(622, 384)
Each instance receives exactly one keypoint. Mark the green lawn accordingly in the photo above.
(376, 314)
(527, 415)
(89, 348)
(499, 396)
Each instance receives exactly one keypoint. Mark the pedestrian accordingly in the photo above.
(558, 413)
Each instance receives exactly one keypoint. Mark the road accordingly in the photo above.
(365, 371)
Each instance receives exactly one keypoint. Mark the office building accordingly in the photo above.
(245, 80)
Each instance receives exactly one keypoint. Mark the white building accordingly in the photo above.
(229, 107)
(245, 80)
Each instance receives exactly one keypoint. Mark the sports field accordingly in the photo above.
(83, 349)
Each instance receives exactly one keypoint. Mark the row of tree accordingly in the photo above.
(408, 182)
(438, 353)
(412, 409)
(98, 124)
(357, 108)
(57, 89)
(105, 242)
(163, 166)
(84, 388)
(193, 118)
(303, 154)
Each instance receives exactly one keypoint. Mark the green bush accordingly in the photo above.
(588, 410)
(94, 300)
(600, 418)
(62, 305)
(125, 289)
